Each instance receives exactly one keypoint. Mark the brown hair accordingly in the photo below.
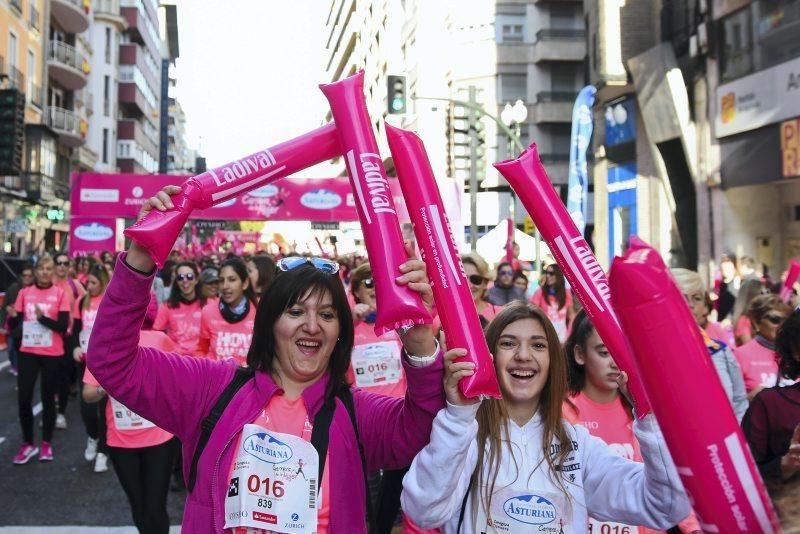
(493, 415)
(357, 277)
(560, 286)
(98, 271)
(763, 304)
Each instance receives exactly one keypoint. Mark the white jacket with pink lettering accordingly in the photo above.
(525, 498)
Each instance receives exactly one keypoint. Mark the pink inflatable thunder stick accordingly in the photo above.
(158, 231)
(791, 278)
(587, 279)
(434, 236)
(397, 306)
(695, 415)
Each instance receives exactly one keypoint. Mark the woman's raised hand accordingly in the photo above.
(453, 373)
(138, 257)
(415, 276)
(162, 201)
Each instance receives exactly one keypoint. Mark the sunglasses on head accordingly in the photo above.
(369, 283)
(774, 319)
(326, 266)
(186, 276)
(476, 279)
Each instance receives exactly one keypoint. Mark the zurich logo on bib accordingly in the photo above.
(266, 448)
(530, 509)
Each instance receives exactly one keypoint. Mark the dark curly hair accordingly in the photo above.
(787, 347)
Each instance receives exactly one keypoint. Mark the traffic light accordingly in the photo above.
(396, 94)
(462, 127)
(12, 131)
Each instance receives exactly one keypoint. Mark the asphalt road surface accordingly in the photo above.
(54, 496)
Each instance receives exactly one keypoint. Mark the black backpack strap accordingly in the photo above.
(464, 504)
(347, 399)
(320, 435)
(240, 378)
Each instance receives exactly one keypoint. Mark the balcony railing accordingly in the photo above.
(556, 96)
(63, 120)
(551, 34)
(68, 55)
(109, 7)
(40, 186)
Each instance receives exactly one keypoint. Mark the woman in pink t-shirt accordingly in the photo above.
(44, 312)
(555, 300)
(141, 453)
(757, 357)
(742, 328)
(596, 403)
(85, 314)
(179, 315)
(226, 324)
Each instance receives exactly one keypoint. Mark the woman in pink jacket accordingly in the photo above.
(294, 426)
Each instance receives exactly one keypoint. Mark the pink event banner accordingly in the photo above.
(288, 199)
(90, 235)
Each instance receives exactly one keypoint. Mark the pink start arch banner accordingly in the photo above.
(287, 199)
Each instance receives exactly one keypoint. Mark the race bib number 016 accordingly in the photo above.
(125, 419)
(35, 334)
(604, 527)
(273, 485)
(377, 364)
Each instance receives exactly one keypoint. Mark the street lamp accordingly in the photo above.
(513, 117)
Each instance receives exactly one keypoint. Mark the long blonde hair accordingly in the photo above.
(493, 415)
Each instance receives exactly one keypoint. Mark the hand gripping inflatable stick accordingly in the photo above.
(791, 278)
(450, 288)
(158, 231)
(688, 400)
(397, 306)
(587, 279)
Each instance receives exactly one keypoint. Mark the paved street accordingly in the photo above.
(53, 496)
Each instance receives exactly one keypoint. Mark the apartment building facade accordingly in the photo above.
(139, 88)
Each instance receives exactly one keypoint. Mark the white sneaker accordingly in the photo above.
(61, 422)
(91, 450)
(101, 463)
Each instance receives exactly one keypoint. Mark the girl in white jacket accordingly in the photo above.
(514, 465)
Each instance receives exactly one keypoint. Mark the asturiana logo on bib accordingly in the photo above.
(530, 509)
(266, 448)
(94, 232)
(320, 199)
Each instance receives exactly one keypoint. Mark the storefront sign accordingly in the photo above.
(790, 148)
(16, 226)
(765, 97)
